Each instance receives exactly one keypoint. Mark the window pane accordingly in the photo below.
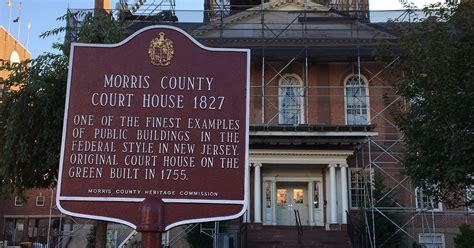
(356, 101)
(316, 195)
(470, 196)
(8, 229)
(298, 196)
(281, 196)
(357, 186)
(425, 202)
(18, 201)
(291, 100)
(268, 194)
(40, 201)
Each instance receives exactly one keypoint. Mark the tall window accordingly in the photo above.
(359, 179)
(291, 100)
(268, 194)
(316, 195)
(424, 202)
(14, 57)
(356, 100)
(470, 197)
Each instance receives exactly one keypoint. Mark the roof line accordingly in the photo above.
(18, 42)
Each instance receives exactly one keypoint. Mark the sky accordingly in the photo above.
(42, 15)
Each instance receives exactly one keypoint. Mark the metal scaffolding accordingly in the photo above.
(382, 154)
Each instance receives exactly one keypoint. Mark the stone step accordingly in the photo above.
(287, 236)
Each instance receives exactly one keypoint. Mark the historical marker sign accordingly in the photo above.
(157, 115)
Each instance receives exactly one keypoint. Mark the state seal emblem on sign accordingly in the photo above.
(161, 50)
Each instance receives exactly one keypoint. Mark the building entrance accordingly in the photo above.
(291, 197)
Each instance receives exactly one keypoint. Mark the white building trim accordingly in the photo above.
(298, 157)
(337, 190)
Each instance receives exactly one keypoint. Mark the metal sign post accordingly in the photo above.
(151, 222)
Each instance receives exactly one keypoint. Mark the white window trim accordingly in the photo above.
(420, 235)
(366, 83)
(470, 189)
(40, 205)
(438, 209)
(349, 178)
(17, 199)
(302, 104)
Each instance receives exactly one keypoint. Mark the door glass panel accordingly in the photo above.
(298, 196)
(281, 196)
(316, 195)
(268, 194)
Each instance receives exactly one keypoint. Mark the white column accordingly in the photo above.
(311, 202)
(247, 193)
(274, 211)
(257, 194)
(332, 183)
(344, 201)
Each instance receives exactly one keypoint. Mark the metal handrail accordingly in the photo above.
(299, 227)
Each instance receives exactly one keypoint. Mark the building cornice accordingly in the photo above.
(275, 156)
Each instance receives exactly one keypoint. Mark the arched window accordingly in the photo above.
(14, 57)
(291, 99)
(356, 97)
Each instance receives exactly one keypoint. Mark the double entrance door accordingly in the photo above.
(291, 197)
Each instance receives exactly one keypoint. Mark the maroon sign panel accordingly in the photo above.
(157, 115)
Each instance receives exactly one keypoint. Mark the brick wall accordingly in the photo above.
(324, 99)
(8, 44)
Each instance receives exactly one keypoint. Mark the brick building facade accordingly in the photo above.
(29, 217)
(322, 127)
